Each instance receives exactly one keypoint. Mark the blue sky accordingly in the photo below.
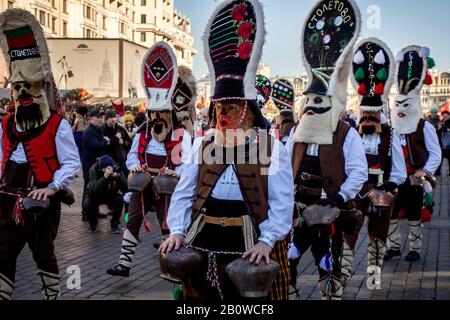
(403, 23)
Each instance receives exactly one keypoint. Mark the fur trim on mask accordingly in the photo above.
(389, 83)
(424, 52)
(413, 113)
(318, 131)
(165, 104)
(409, 124)
(252, 68)
(419, 87)
(338, 84)
(399, 57)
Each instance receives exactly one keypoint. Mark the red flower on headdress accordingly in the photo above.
(245, 30)
(245, 50)
(239, 12)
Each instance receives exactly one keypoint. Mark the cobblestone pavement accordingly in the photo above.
(428, 279)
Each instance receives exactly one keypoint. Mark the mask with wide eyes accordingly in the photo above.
(316, 105)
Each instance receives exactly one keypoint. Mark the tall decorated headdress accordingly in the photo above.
(185, 94)
(373, 74)
(25, 50)
(264, 90)
(233, 40)
(329, 34)
(283, 94)
(159, 76)
(413, 63)
(183, 99)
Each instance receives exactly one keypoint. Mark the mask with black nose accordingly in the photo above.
(316, 123)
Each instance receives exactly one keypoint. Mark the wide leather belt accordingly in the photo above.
(224, 222)
(310, 177)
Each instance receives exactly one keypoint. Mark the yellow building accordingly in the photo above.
(142, 22)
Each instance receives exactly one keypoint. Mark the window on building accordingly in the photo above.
(48, 20)
(64, 6)
(143, 18)
(42, 17)
(143, 2)
(104, 22)
(65, 29)
(143, 37)
(88, 12)
(88, 33)
(53, 3)
(54, 25)
(10, 3)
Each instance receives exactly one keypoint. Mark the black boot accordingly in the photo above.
(119, 271)
(391, 254)
(412, 256)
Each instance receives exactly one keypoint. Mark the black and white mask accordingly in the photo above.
(316, 123)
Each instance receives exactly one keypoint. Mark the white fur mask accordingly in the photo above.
(406, 113)
(316, 123)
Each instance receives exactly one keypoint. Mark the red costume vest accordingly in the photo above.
(39, 145)
(169, 144)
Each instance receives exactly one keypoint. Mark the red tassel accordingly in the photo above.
(428, 79)
(426, 215)
(379, 89)
(362, 89)
(333, 231)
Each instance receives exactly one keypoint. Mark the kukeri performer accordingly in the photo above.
(283, 96)
(420, 145)
(233, 207)
(373, 76)
(264, 90)
(183, 99)
(328, 158)
(39, 157)
(156, 158)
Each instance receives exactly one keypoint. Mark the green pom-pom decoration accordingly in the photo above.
(382, 74)
(431, 63)
(359, 75)
(177, 294)
(127, 217)
(428, 200)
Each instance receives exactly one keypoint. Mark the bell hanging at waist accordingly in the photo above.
(17, 175)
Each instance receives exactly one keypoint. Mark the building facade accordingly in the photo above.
(142, 22)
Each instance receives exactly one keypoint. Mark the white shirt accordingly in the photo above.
(158, 149)
(433, 147)
(66, 151)
(280, 189)
(355, 162)
(398, 171)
